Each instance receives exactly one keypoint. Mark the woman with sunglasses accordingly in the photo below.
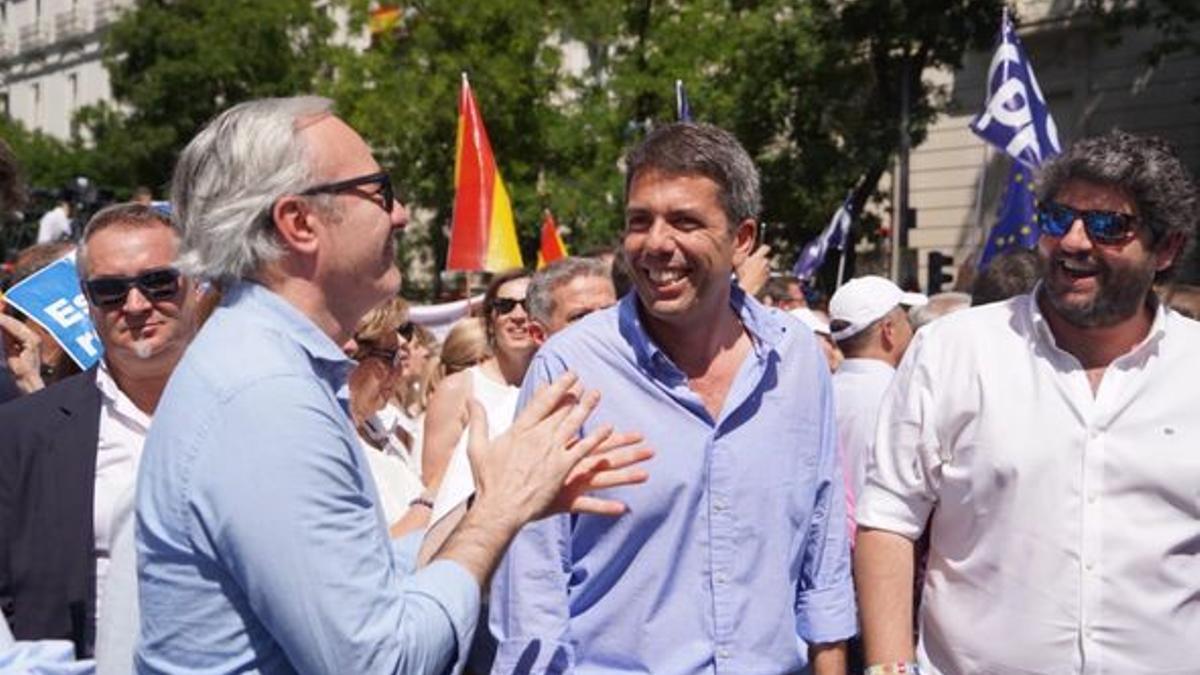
(376, 347)
(495, 382)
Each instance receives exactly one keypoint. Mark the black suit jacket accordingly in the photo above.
(47, 484)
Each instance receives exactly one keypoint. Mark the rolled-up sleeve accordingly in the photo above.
(288, 510)
(902, 471)
(529, 603)
(825, 609)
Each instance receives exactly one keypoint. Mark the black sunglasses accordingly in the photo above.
(505, 305)
(406, 330)
(161, 283)
(1103, 227)
(381, 179)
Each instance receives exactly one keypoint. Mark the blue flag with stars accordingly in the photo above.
(1017, 120)
(1016, 225)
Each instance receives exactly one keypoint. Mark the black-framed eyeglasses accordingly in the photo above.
(505, 305)
(1103, 227)
(158, 284)
(381, 179)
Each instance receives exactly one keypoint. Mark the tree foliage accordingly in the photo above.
(812, 90)
(174, 65)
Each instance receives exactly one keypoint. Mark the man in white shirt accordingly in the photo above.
(1049, 443)
(869, 322)
(55, 224)
(77, 444)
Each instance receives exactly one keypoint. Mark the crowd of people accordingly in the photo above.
(674, 462)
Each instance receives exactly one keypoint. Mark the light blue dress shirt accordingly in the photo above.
(261, 542)
(732, 557)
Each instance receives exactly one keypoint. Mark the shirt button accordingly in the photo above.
(723, 653)
(1088, 566)
(721, 578)
(1092, 498)
(719, 505)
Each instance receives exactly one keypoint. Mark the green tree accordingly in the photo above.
(551, 143)
(174, 65)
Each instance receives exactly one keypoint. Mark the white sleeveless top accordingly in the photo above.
(499, 400)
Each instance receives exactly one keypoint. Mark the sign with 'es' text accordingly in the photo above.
(54, 299)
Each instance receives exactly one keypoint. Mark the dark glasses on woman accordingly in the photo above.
(505, 305)
(1103, 227)
(161, 283)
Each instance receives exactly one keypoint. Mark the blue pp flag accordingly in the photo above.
(1017, 120)
(1015, 117)
(812, 256)
(683, 111)
(53, 298)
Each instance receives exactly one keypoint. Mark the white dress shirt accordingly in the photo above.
(55, 224)
(1065, 535)
(858, 389)
(122, 433)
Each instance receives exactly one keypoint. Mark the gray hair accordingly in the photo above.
(939, 305)
(684, 148)
(1146, 166)
(540, 294)
(228, 179)
(129, 214)
(1010, 273)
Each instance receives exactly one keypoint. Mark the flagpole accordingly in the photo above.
(987, 151)
(842, 264)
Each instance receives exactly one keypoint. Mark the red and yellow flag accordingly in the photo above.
(552, 247)
(482, 235)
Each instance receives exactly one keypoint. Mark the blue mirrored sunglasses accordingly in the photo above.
(1103, 227)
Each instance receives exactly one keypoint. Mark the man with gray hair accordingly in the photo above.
(937, 306)
(564, 292)
(1048, 443)
(71, 450)
(734, 556)
(261, 543)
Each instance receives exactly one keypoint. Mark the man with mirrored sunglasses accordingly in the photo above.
(1048, 443)
(71, 451)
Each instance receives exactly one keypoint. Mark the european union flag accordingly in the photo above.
(1016, 224)
(1017, 120)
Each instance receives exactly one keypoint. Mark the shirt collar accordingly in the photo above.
(763, 324)
(1043, 334)
(264, 306)
(116, 400)
(861, 365)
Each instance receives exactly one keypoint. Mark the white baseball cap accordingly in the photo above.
(863, 301)
(811, 319)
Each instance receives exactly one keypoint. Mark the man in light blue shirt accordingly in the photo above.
(261, 541)
(734, 556)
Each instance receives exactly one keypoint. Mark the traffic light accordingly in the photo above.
(940, 271)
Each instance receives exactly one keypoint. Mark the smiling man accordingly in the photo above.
(261, 543)
(71, 451)
(733, 558)
(1049, 444)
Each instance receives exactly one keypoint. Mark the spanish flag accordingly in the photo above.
(552, 247)
(482, 235)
